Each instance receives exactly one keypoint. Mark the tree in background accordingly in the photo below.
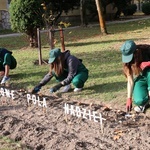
(55, 9)
(101, 17)
(83, 12)
(120, 4)
(28, 15)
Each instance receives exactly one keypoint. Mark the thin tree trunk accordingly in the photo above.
(81, 12)
(101, 17)
(33, 38)
(83, 16)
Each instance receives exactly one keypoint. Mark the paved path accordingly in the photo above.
(108, 22)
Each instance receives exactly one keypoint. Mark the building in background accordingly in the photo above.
(4, 14)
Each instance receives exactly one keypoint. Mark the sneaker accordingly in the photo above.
(77, 89)
(141, 109)
(66, 88)
(5, 80)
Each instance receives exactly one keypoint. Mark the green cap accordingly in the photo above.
(127, 50)
(53, 54)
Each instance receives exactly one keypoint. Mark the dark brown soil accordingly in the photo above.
(51, 129)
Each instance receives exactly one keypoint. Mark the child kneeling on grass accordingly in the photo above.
(66, 68)
(7, 62)
(136, 59)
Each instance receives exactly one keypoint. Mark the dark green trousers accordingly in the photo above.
(79, 79)
(142, 88)
(8, 60)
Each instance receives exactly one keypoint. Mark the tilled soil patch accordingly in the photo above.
(39, 129)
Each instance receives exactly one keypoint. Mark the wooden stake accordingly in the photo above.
(39, 46)
(62, 39)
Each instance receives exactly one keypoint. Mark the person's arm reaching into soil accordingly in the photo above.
(43, 82)
(130, 83)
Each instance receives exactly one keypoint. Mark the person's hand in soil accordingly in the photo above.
(36, 89)
(55, 88)
(129, 104)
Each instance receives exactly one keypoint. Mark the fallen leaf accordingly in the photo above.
(116, 137)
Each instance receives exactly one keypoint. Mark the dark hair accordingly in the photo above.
(58, 65)
(141, 54)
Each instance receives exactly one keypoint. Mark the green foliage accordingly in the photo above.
(53, 10)
(62, 5)
(130, 10)
(26, 15)
(146, 8)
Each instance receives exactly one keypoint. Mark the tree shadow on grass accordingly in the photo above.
(99, 42)
(25, 76)
(107, 87)
(105, 74)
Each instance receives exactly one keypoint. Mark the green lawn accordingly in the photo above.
(100, 54)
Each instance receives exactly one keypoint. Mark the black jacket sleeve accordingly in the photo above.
(46, 79)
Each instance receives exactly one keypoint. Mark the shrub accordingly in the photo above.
(146, 8)
(26, 17)
(129, 10)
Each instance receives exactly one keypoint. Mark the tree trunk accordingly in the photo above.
(101, 17)
(33, 38)
(83, 13)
